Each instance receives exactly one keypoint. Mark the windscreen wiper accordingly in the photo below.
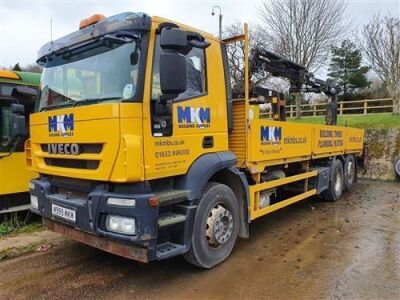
(121, 37)
(117, 38)
(58, 105)
(94, 100)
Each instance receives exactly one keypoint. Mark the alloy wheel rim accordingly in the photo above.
(219, 225)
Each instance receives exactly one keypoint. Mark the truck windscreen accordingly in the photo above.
(98, 73)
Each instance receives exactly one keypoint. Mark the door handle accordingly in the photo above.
(208, 142)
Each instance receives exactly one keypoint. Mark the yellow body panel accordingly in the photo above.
(354, 139)
(266, 142)
(294, 142)
(100, 126)
(238, 136)
(171, 156)
(328, 139)
(129, 165)
(14, 176)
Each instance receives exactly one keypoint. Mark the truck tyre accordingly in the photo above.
(216, 226)
(350, 171)
(335, 189)
(397, 168)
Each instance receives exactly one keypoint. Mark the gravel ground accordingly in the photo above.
(312, 250)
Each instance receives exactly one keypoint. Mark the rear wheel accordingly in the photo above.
(335, 189)
(350, 171)
(216, 227)
(397, 168)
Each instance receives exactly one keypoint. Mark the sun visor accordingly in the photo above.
(122, 22)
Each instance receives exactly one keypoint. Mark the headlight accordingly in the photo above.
(34, 202)
(121, 225)
(31, 185)
(121, 202)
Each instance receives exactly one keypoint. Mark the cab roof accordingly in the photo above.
(26, 78)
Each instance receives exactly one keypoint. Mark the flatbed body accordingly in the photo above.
(267, 142)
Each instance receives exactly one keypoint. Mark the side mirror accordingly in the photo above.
(17, 109)
(173, 39)
(24, 91)
(173, 42)
(172, 74)
(17, 124)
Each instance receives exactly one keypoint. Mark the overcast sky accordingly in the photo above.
(25, 25)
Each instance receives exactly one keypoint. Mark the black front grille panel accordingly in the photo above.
(72, 163)
(71, 184)
(84, 148)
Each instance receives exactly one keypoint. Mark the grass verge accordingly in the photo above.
(17, 223)
(383, 120)
(12, 252)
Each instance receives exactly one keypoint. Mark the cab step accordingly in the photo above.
(170, 219)
(168, 249)
(171, 197)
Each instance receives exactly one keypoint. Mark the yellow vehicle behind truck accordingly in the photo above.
(18, 92)
(142, 151)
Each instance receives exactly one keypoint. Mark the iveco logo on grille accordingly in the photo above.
(63, 149)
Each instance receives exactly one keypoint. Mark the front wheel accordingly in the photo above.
(216, 227)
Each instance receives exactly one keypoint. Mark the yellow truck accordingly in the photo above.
(18, 91)
(142, 152)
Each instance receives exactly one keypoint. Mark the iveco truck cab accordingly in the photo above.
(142, 152)
(18, 92)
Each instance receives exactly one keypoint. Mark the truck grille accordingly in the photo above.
(85, 148)
(72, 163)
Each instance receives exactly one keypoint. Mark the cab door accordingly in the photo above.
(14, 176)
(193, 123)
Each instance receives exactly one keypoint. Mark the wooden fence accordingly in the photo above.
(358, 107)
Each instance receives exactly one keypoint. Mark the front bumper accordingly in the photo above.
(91, 210)
(130, 252)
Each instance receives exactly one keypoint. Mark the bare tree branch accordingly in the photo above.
(304, 30)
(236, 57)
(381, 46)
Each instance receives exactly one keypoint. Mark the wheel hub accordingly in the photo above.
(338, 182)
(350, 169)
(219, 226)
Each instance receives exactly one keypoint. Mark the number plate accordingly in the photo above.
(64, 213)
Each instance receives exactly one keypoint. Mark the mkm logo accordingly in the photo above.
(61, 125)
(194, 117)
(271, 135)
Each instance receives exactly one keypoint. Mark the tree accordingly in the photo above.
(32, 67)
(35, 68)
(303, 30)
(16, 67)
(381, 46)
(345, 68)
(235, 53)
